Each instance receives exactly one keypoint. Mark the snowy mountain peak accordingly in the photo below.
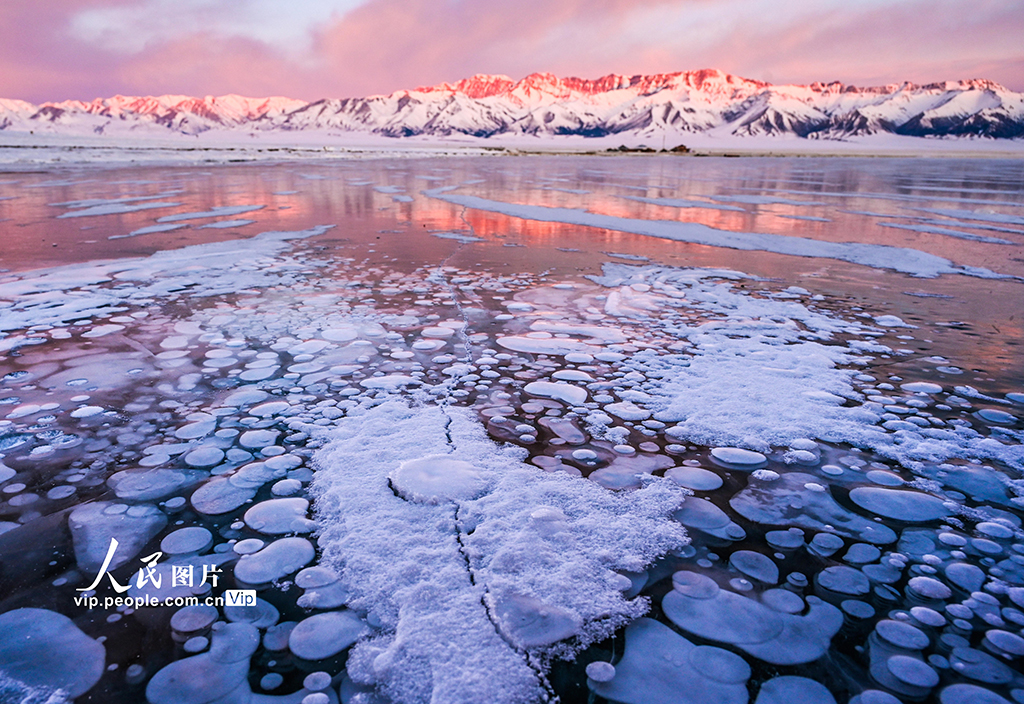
(644, 106)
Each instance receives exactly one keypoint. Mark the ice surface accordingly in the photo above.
(114, 209)
(443, 578)
(215, 212)
(908, 261)
(226, 224)
(799, 388)
(42, 297)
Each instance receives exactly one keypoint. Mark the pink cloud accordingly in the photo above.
(387, 45)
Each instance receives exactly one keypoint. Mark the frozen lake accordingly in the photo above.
(626, 428)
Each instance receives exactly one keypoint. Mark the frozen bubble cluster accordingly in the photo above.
(447, 483)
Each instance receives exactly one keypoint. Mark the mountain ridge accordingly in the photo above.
(483, 105)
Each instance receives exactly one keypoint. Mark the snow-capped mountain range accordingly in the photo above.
(706, 101)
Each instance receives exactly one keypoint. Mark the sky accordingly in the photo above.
(310, 49)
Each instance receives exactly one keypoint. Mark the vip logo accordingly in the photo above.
(240, 597)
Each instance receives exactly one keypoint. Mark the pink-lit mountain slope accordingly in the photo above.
(542, 104)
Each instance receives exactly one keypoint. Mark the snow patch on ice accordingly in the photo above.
(473, 596)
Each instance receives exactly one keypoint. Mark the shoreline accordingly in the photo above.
(21, 151)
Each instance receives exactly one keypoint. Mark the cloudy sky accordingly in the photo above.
(58, 49)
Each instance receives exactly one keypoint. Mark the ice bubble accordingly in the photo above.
(191, 540)
(825, 544)
(317, 681)
(567, 393)
(284, 462)
(600, 671)
(969, 694)
(262, 614)
(979, 666)
(60, 492)
(280, 516)
(94, 525)
(325, 635)
(248, 546)
(891, 321)
(1004, 643)
(189, 620)
(245, 396)
(929, 588)
(437, 332)
(996, 416)
(340, 334)
(883, 478)
(626, 410)
(134, 485)
(785, 539)
(193, 431)
(994, 530)
(530, 623)
(694, 478)
(773, 636)
(705, 516)
(41, 648)
(922, 387)
(276, 637)
(204, 457)
(801, 457)
(209, 676)
(862, 554)
(927, 617)
(661, 667)
(286, 487)
(790, 689)
(25, 410)
(220, 495)
(315, 577)
(902, 635)
(782, 600)
(438, 478)
(86, 411)
(874, 696)
(271, 681)
(912, 671)
(755, 565)
(258, 439)
(271, 408)
(840, 579)
(738, 458)
(391, 382)
(906, 506)
(278, 559)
